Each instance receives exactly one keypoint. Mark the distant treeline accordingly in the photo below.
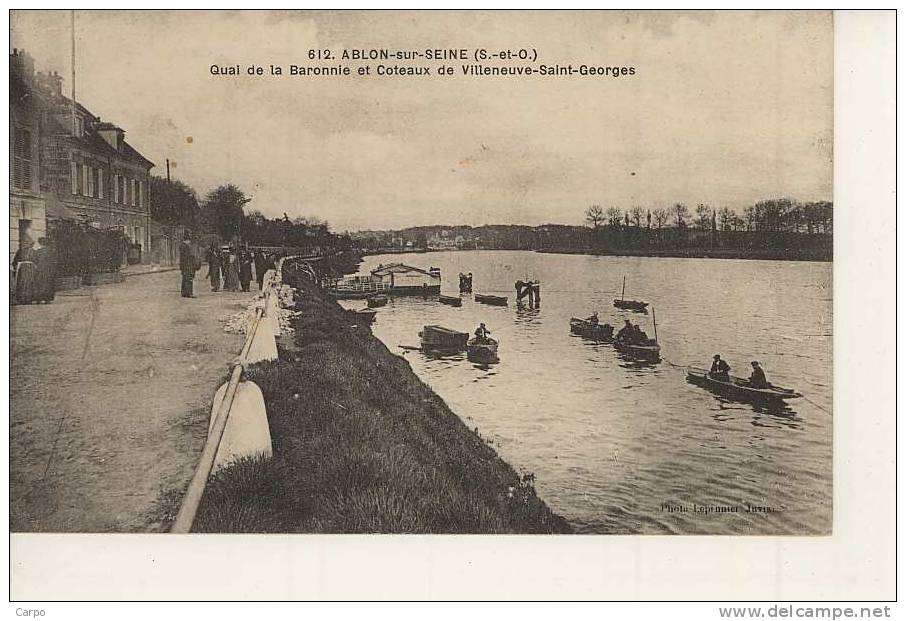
(770, 229)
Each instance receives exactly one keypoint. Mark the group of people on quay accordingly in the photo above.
(33, 273)
(232, 268)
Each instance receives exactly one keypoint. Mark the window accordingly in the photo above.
(139, 186)
(86, 174)
(80, 188)
(116, 188)
(74, 177)
(22, 159)
(133, 191)
(100, 183)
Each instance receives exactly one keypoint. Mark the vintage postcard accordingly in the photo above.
(422, 272)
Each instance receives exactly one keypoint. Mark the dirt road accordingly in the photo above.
(110, 392)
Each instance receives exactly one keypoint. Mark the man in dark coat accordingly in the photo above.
(260, 268)
(757, 379)
(245, 269)
(187, 266)
(720, 370)
(214, 267)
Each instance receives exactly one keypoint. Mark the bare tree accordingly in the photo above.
(614, 215)
(636, 213)
(681, 212)
(725, 216)
(594, 215)
(703, 216)
(660, 218)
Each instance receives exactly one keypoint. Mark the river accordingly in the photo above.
(617, 447)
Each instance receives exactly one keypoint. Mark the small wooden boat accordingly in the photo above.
(376, 301)
(591, 330)
(633, 305)
(483, 351)
(366, 314)
(450, 300)
(493, 300)
(441, 339)
(739, 388)
(647, 352)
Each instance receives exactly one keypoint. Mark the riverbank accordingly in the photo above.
(362, 445)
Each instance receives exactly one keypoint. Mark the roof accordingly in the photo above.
(397, 268)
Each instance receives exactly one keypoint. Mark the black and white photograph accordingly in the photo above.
(477, 272)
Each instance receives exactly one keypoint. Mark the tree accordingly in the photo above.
(703, 216)
(173, 202)
(636, 214)
(594, 215)
(681, 212)
(660, 218)
(223, 210)
(614, 215)
(725, 216)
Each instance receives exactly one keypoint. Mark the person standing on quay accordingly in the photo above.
(245, 269)
(187, 266)
(231, 270)
(214, 267)
(45, 271)
(260, 268)
(25, 273)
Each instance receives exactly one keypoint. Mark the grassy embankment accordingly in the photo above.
(361, 445)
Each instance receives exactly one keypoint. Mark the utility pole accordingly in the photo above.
(168, 171)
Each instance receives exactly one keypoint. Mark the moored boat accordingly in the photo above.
(739, 388)
(493, 300)
(633, 305)
(366, 314)
(591, 330)
(450, 300)
(648, 352)
(376, 301)
(482, 350)
(440, 339)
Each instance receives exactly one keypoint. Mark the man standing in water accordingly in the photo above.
(187, 266)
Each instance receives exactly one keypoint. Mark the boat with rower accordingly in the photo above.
(482, 350)
(493, 300)
(649, 351)
(739, 388)
(591, 329)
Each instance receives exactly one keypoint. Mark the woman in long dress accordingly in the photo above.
(231, 273)
(26, 274)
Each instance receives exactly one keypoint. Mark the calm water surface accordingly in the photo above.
(616, 447)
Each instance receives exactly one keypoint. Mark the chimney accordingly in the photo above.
(22, 65)
(50, 83)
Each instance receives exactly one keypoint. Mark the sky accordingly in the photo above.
(725, 108)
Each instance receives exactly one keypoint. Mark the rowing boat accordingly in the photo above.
(440, 339)
(591, 330)
(482, 351)
(633, 305)
(649, 352)
(450, 300)
(493, 300)
(739, 388)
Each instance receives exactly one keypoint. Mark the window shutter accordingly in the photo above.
(100, 183)
(74, 177)
(85, 169)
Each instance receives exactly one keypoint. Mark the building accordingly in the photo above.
(27, 212)
(407, 279)
(88, 172)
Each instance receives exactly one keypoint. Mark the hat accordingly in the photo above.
(716, 356)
